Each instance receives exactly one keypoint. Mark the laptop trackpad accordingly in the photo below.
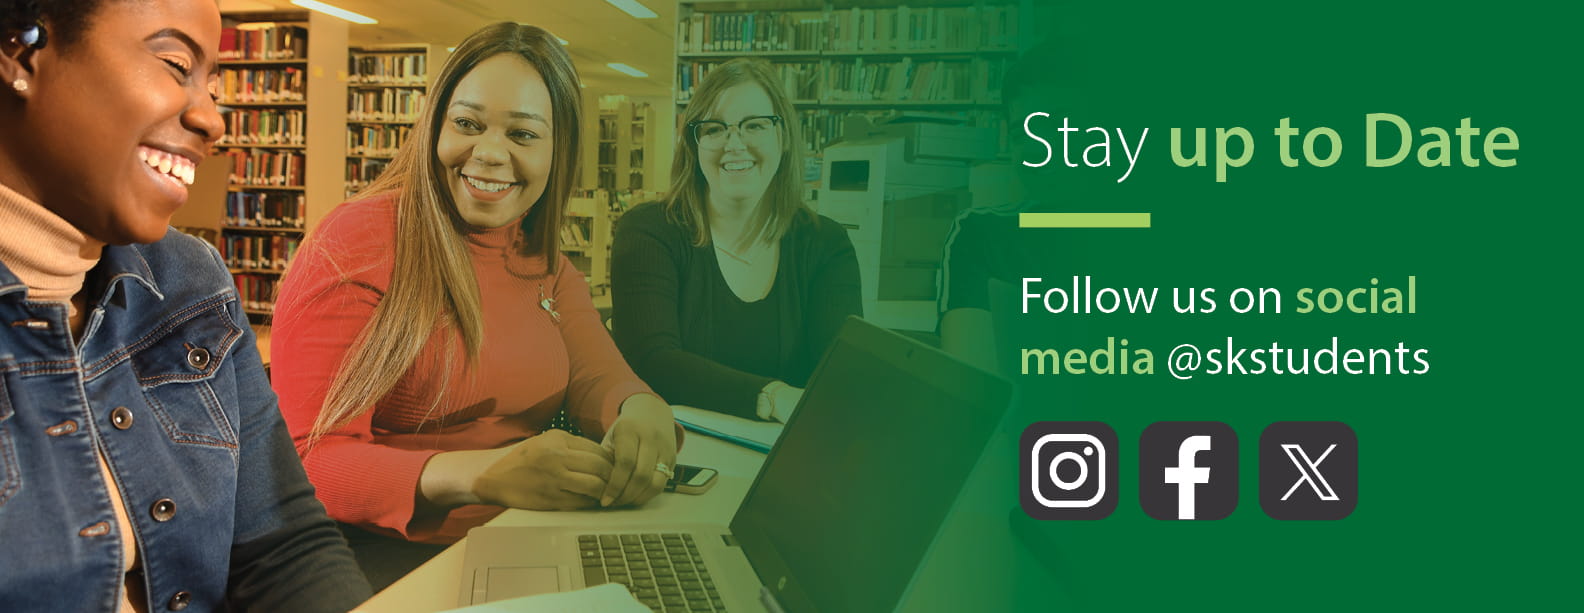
(518, 581)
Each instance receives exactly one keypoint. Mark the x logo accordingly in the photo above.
(1309, 472)
(1282, 448)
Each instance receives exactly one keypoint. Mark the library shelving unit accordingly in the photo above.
(586, 236)
(386, 86)
(620, 163)
(618, 146)
(278, 82)
(871, 58)
(591, 220)
(604, 162)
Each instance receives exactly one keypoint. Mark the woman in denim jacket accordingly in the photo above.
(143, 462)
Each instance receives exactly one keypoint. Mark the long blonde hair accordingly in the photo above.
(432, 283)
(687, 203)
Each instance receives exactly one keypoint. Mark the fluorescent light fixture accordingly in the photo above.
(631, 7)
(335, 11)
(627, 70)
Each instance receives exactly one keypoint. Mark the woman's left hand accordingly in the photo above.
(643, 438)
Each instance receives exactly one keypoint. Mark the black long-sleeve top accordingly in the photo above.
(691, 339)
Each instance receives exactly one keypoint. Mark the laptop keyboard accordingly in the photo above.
(664, 571)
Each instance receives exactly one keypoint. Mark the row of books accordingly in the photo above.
(574, 235)
(754, 31)
(892, 79)
(261, 168)
(257, 292)
(819, 129)
(909, 81)
(376, 140)
(245, 85)
(857, 29)
(800, 80)
(384, 104)
(359, 173)
(265, 127)
(606, 177)
(257, 252)
(265, 209)
(263, 42)
(911, 29)
(822, 128)
(388, 68)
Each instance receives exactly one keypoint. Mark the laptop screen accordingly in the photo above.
(857, 487)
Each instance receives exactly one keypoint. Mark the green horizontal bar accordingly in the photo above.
(1083, 220)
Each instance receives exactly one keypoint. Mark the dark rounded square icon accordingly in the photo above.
(1308, 470)
(1068, 470)
(1188, 470)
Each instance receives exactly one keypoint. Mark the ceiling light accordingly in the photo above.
(627, 70)
(631, 7)
(335, 11)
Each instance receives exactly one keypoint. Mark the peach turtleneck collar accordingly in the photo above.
(44, 251)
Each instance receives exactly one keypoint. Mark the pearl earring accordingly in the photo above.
(21, 85)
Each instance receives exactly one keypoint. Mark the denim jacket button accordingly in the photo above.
(198, 358)
(163, 510)
(121, 418)
(180, 601)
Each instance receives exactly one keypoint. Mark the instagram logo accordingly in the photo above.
(1068, 470)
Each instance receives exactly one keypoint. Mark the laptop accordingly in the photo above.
(838, 519)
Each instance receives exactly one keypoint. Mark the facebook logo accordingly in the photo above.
(1188, 470)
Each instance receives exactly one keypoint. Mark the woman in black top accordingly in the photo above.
(726, 294)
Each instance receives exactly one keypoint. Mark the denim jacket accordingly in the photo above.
(165, 382)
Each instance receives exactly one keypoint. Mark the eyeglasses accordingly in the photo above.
(712, 134)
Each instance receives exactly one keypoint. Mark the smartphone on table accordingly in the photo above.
(688, 479)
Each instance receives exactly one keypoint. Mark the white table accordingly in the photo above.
(434, 586)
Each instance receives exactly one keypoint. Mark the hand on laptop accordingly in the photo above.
(554, 471)
(777, 401)
(642, 439)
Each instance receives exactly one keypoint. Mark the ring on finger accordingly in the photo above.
(663, 469)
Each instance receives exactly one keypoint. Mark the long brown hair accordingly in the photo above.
(688, 204)
(432, 283)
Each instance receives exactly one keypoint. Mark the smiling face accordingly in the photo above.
(739, 170)
(114, 124)
(496, 144)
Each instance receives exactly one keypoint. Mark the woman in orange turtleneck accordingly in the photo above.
(429, 332)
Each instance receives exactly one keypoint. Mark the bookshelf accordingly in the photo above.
(869, 58)
(586, 237)
(279, 83)
(386, 86)
(620, 146)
